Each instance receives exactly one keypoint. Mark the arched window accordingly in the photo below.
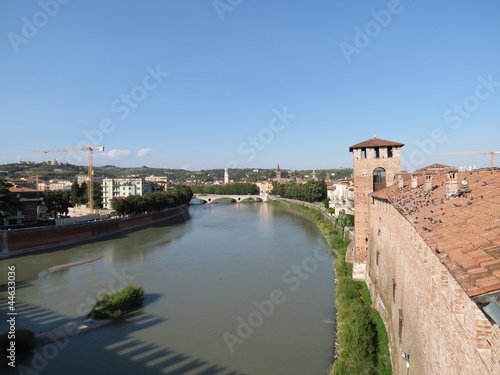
(378, 179)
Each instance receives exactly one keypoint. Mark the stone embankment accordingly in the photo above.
(17, 241)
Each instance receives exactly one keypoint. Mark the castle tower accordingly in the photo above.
(376, 162)
(226, 176)
(278, 174)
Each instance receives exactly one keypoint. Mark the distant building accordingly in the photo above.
(54, 162)
(265, 187)
(125, 186)
(341, 194)
(226, 176)
(161, 182)
(30, 206)
(278, 174)
(59, 185)
(83, 177)
(434, 168)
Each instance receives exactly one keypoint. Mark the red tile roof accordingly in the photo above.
(435, 166)
(464, 232)
(376, 142)
(21, 189)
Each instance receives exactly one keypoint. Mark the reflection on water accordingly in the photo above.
(234, 289)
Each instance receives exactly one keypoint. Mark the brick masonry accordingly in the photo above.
(367, 156)
(427, 313)
(428, 247)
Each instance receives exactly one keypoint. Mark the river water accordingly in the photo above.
(231, 289)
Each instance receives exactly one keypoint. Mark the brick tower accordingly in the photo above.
(376, 162)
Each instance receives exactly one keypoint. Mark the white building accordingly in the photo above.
(59, 185)
(123, 187)
(160, 181)
(83, 177)
(341, 194)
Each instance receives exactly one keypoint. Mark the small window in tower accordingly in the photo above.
(389, 152)
(363, 153)
(377, 152)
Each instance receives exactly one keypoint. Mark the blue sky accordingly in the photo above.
(240, 83)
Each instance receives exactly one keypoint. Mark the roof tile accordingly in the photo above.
(465, 230)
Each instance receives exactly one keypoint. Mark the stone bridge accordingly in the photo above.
(211, 198)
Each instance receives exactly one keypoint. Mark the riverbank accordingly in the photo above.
(361, 345)
(19, 241)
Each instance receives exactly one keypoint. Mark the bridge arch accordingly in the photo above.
(211, 198)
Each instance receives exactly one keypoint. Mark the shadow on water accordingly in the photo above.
(150, 298)
(34, 318)
(111, 349)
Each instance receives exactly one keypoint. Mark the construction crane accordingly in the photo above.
(90, 177)
(492, 153)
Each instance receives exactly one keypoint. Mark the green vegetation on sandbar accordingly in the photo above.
(24, 340)
(363, 346)
(114, 305)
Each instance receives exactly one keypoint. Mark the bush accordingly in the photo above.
(114, 305)
(25, 341)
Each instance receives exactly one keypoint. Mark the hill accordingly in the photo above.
(48, 171)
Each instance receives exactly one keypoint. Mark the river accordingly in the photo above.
(231, 289)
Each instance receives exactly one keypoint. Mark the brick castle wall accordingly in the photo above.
(426, 312)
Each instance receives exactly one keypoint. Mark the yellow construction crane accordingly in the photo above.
(90, 178)
(492, 153)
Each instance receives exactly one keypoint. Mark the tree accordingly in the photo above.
(57, 202)
(311, 191)
(8, 206)
(79, 195)
(77, 192)
(97, 195)
(136, 204)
